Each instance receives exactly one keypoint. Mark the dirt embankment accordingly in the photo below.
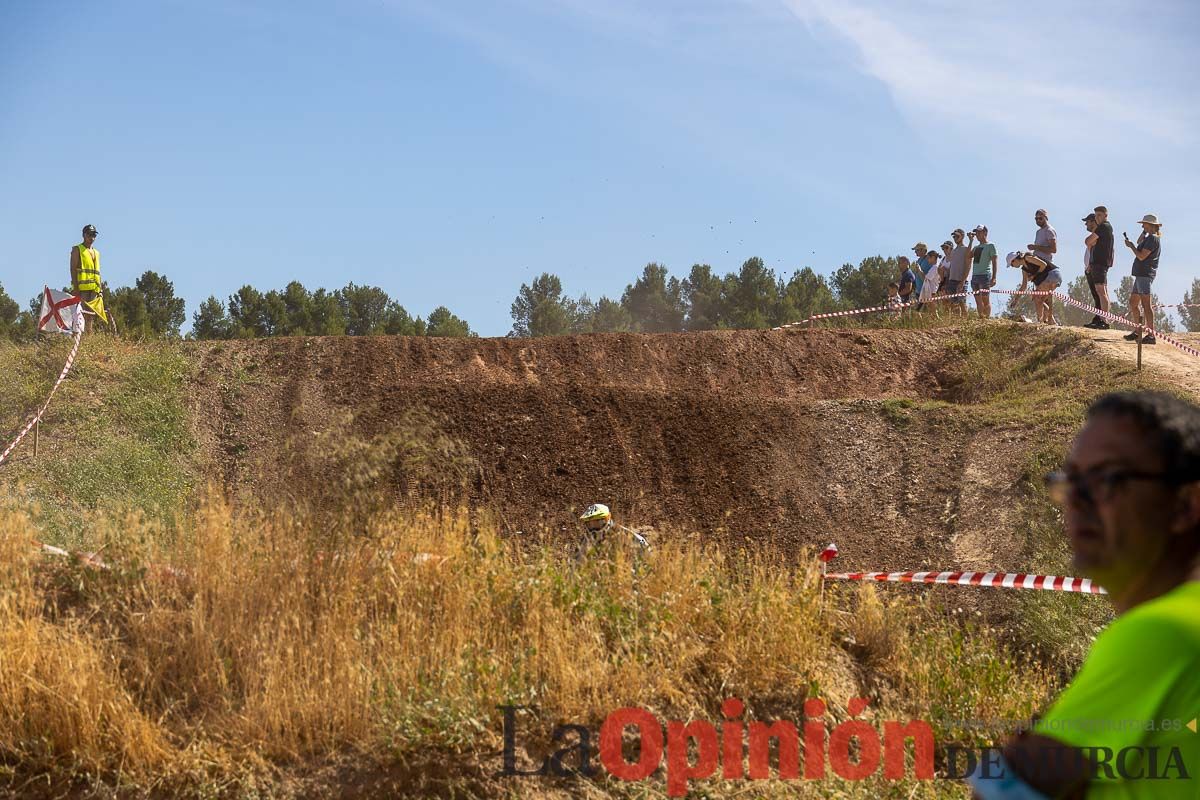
(1163, 360)
(787, 437)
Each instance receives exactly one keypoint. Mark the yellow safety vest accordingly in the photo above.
(88, 278)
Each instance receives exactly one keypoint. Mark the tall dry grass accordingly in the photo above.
(276, 639)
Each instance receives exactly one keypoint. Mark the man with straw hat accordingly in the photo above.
(1145, 267)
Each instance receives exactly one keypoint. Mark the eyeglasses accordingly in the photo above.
(1096, 486)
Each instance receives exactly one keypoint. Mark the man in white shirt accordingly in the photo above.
(1045, 241)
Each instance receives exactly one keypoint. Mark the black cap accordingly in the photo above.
(1090, 218)
(90, 229)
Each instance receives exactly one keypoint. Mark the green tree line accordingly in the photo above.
(296, 311)
(754, 296)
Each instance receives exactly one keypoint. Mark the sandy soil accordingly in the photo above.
(1161, 360)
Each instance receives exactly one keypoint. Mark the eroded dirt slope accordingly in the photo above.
(789, 437)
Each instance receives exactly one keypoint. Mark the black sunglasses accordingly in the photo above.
(1096, 486)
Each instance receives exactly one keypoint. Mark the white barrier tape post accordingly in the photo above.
(41, 412)
(1003, 580)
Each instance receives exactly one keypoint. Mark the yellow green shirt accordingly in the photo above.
(1139, 688)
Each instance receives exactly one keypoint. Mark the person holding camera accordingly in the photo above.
(921, 268)
(983, 269)
(1145, 267)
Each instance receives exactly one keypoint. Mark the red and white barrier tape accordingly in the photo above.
(1131, 324)
(871, 310)
(1001, 580)
(1066, 299)
(41, 412)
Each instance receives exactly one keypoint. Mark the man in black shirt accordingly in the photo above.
(1100, 244)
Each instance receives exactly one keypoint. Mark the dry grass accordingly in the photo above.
(280, 641)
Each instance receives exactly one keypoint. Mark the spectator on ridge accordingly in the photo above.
(1145, 267)
(1100, 259)
(1045, 241)
(1089, 222)
(959, 270)
(945, 266)
(933, 281)
(921, 268)
(893, 299)
(908, 288)
(922, 251)
(983, 269)
(1045, 277)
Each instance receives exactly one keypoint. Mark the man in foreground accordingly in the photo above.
(1130, 493)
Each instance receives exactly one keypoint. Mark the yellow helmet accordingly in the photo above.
(597, 512)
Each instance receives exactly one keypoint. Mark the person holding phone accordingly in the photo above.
(1145, 267)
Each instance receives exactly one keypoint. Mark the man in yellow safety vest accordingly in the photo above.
(85, 278)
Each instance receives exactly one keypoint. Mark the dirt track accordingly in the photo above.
(1161, 359)
(783, 437)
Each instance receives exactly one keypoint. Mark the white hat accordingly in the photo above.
(1150, 219)
(1011, 257)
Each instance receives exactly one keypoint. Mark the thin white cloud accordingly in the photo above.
(992, 72)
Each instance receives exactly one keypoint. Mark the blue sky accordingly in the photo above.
(449, 151)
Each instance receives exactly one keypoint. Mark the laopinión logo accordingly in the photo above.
(852, 750)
